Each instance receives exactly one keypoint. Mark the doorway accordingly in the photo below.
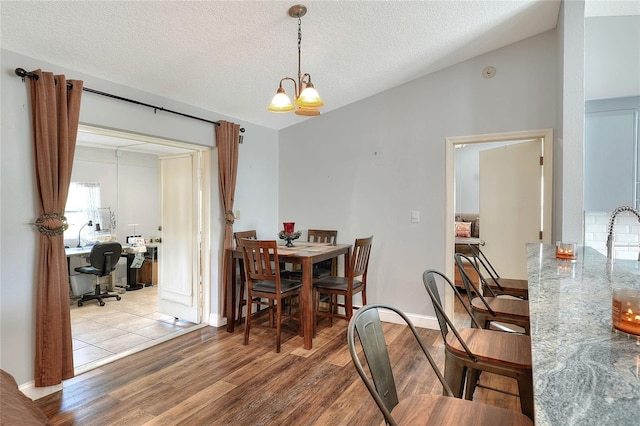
(546, 137)
(104, 334)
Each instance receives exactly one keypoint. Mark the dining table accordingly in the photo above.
(303, 255)
(585, 371)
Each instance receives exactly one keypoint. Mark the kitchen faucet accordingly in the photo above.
(612, 219)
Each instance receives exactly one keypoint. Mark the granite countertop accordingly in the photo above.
(584, 372)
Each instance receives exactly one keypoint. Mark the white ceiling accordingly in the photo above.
(228, 56)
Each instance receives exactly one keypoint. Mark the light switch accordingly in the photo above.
(415, 216)
(237, 214)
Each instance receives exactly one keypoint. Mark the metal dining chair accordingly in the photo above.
(423, 409)
(488, 308)
(469, 351)
(500, 286)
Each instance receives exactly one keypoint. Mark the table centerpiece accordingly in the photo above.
(289, 234)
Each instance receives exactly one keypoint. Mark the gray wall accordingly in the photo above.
(375, 161)
(258, 161)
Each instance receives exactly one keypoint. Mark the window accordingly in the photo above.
(83, 205)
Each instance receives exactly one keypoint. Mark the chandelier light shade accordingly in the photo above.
(281, 102)
(306, 96)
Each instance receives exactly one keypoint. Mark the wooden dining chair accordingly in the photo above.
(262, 269)
(251, 234)
(470, 351)
(421, 409)
(347, 286)
(500, 286)
(489, 308)
(327, 267)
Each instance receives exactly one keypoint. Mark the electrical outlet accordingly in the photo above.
(415, 216)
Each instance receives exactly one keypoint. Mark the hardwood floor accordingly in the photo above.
(207, 377)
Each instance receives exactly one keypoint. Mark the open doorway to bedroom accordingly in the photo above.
(543, 157)
(128, 168)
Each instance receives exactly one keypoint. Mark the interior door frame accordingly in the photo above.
(204, 291)
(547, 198)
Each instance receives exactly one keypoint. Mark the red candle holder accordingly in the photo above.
(289, 227)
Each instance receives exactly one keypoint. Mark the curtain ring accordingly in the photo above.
(52, 232)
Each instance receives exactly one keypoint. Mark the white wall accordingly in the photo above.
(569, 148)
(363, 168)
(258, 162)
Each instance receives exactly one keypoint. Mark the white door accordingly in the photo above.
(510, 205)
(178, 259)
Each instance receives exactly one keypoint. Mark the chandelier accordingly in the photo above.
(306, 96)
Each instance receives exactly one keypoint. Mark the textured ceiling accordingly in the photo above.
(228, 56)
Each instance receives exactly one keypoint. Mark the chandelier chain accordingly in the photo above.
(299, 54)
(299, 33)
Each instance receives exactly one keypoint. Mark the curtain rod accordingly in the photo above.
(21, 72)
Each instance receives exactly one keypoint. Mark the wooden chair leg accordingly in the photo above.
(271, 319)
(316, 309)
(348, 307)
(332, 302)
(241, 302)
(247, 321)
(278, 325)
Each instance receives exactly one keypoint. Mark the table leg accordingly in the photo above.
(306, 303)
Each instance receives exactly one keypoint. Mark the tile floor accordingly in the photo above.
(103, 333)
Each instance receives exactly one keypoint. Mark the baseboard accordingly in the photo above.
(216, 320)
(420, 321)
(33, 392)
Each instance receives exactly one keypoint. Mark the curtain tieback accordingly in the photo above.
(44, 224)
(230, 217)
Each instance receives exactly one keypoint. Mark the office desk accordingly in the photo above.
(132, 273)
(303, 254)
(77, 251)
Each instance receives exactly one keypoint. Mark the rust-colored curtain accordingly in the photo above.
(227, 141)
(55, 111)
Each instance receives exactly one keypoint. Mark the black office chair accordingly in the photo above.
(103, 260)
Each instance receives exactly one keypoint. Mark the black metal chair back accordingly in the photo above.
(366, 321)
(104, 258)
